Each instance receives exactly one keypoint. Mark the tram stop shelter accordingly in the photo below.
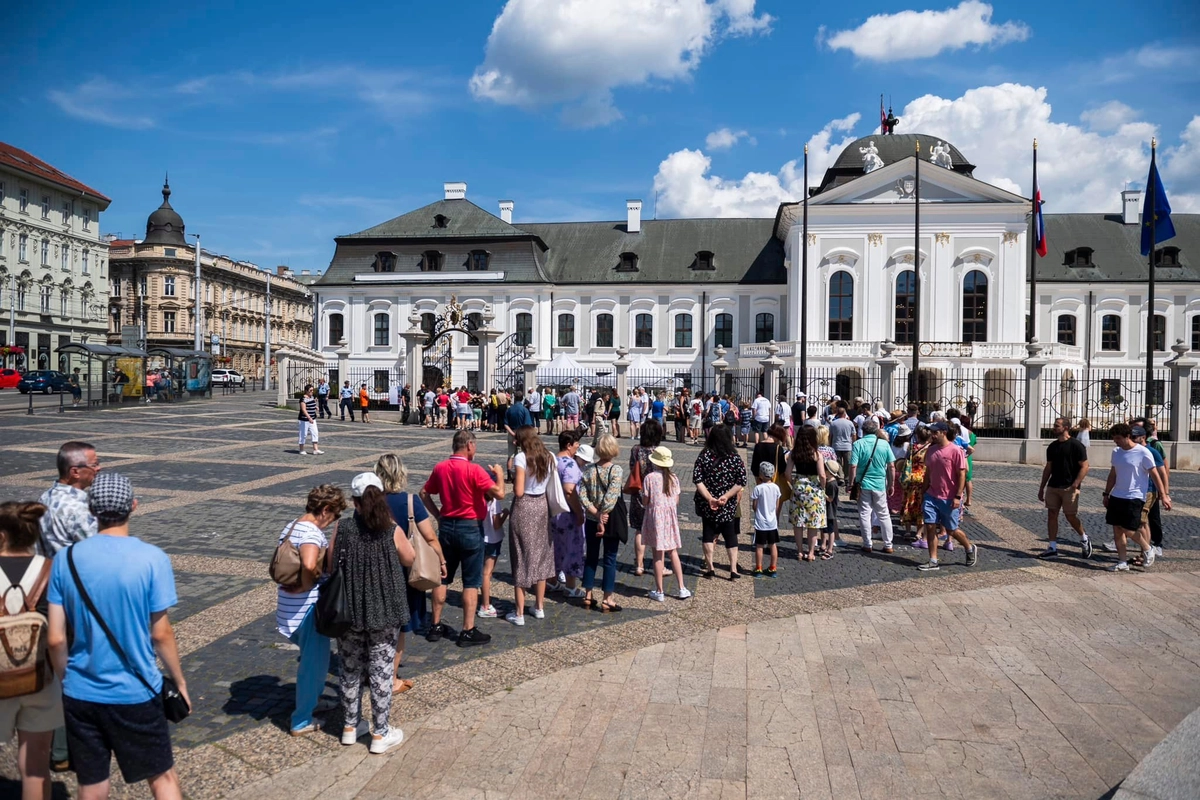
(114, 373)
(190, 370)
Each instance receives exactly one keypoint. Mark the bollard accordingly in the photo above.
(30, 411)
(61, 409)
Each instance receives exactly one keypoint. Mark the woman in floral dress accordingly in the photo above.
(806, 474)
(913, 478)
(660, 521)
(568, 527)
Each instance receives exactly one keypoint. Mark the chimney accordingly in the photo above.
(456, 190)
(506, 209)
(281, 271)
(633, 222)
(1131, 206)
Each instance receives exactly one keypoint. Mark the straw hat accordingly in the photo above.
(661, 457)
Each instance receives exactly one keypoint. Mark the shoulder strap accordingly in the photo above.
(412, 521)
(287, 533)
(32, 584)
(866, 464)
(112, 640)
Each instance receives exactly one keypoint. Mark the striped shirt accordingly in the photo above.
(293, 606)
(311, 404)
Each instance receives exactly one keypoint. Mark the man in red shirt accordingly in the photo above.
(463, 488)
(945, 476)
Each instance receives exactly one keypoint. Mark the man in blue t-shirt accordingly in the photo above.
(515, 418)
(108, 709)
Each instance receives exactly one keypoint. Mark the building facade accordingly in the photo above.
(53, 262)
(152, 297)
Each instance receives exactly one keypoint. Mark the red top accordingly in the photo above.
(464, 397)
(461, 487)
(942, 465)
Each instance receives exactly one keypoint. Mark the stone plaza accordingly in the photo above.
(854, 677)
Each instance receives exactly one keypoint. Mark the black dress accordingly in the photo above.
(375, 586)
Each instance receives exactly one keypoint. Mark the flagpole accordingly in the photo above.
(914, 379)
(1031, 327)
(804, 282)
(1150, 294)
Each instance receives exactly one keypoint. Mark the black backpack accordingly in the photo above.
(731, 417)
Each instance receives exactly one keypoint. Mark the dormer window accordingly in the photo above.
(628, 263)
(1166, 257)
(1080, 258)
(704, 259)
(431, 261)
(440, 220)
(384, 262)
(477, 261)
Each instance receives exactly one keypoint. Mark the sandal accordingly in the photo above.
(401, 686)
(609, 608)
(589, 602)
(639, 572)
(708, 573)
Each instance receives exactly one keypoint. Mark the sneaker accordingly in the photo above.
(472, 637)
(921, 544)
(657, 596)
(311, 727)
(887, 548)
(770, 573)
(436, 632)
(930, 566)
(1158, 553)
(350, 737)
(1120, 566)
(515, 618)
(318, 452)
(973, 555)
(303, 453)
(949, 545)
(562, 578)
(486, 612)
(393, 737)
(1050, 552)
(1148, 557)
(538, 613)
(683, 594)
(1086, 547)
(1109, 547)
(758, 573)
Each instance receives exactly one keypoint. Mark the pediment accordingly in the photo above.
(895, 183)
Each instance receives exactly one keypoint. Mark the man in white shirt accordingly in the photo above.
(1133, 468)
(428, 400)
(761, 408)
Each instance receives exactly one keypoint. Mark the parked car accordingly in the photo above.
(44, 381)
(9, 378)
(228, 377)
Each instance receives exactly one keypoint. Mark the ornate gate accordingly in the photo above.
(510, 367)
(437, 358)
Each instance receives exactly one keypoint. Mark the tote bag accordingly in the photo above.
(332, 608)
(556, 496)
(426, 571)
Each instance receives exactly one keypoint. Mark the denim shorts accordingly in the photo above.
(492, 549)
(462, 543)
(940, 512)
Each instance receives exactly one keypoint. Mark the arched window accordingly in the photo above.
(474, 322)
(1066, 329)
(566, 330)
(643, 331)
(604, 330)
(337, 328)
(906, 301)
(1196, 332)
(1160, 332)
(975, 307)
(683, 330)
(841, 307)
(382, 329)
(427, 322)
(723, 331)
(764, 328)
(524, 329)
(1110, 332)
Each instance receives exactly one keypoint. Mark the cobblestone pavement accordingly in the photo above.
(217, 482)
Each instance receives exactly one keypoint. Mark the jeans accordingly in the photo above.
(868, 501)
(592, 558)
(323, 406)
(347, 405)
(314, 666)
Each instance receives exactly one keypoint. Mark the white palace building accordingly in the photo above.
(669, 293)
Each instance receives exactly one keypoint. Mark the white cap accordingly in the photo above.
(586, 453)
(362, 480)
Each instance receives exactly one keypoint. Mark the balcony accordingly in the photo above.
(862, 350)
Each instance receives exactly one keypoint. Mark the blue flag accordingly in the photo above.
(1156, 199)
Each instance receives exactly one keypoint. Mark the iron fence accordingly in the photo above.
(993, 398)
(822, 384)
(1105, 397)
(1193, 422)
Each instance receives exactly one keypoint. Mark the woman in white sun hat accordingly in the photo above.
(660, 521)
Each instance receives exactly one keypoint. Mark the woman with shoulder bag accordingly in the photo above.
(600, 495)
(393, 475)
(639, 465)
(370, 551)
(530, 541)
(295, 616)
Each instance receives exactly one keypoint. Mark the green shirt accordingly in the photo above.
(616, 405)
(871, 470)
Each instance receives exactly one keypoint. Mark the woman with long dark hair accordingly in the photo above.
(530, 541)
(569, 541)
(639, 457)
(720, 478)
(806, 475)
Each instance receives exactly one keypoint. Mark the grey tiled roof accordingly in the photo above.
(1117, 249)
(465, 219)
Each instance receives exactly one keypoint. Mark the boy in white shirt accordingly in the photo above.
(493, 536)
(766, 499)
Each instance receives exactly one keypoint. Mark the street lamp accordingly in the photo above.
(199, 345)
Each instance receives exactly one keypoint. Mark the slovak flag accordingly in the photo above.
(1039, 223)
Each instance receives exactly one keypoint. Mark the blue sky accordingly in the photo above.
(283, 125)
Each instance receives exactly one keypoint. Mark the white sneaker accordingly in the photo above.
(393, 737)
(1109, 547)
(684, 593)
(515, 618)
(303, 453)
(657, 596)
(486, 612)
(1158, 553)
(1120, 566)
(562, 578)
(538, 613)
(1148, 557)
(318, 452)
(350, 737)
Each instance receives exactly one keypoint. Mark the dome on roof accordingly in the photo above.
(895, 147)
(165, 226)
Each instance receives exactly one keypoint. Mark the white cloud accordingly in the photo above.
(575, 52)
(923, 34)
(102, 101)
(725, 138)
(1108, 117)
(1080, 169)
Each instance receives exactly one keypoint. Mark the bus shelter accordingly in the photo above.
(189, 371)
(114, 373)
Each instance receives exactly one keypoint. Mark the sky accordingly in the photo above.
(285, 125)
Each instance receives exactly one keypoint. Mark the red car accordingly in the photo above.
(9, 378)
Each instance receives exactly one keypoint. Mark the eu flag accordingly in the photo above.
(1155, 208)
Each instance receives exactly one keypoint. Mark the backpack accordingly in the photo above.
(714, 412)
(23, 660)
(731, 417)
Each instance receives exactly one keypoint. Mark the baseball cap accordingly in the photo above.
(939, 426)
(362, 480)
(110, 498)
(1138, 432)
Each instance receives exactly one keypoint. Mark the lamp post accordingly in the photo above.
(199, 344)
(12, 310)
(267, 340)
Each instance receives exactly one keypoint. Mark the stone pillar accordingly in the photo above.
(1034, 365)
(887, 364)
(719, 366)
(1182, 371)
(343, 357)
(622, 366)
(530, 364)
(414, 340)
(487, 337)
(771, 366)
(282, 388)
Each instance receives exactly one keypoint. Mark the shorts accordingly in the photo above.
(1065, 499)
(941, 512)
(759, 427)
(136, 734)
(1124, 513)
(765, 538)
(462, 543)
(33, 713)
(694, 421)
(309, 430)
(477, 413)
(1148, 504)
(492, 549)
(572, 421)
(711, 530)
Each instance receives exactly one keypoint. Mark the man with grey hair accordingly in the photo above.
(67, 519)
(871, 467)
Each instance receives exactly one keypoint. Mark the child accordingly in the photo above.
(766, 500)
(364, 399)
(493, 536)
(660, 524)
(744, 418)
